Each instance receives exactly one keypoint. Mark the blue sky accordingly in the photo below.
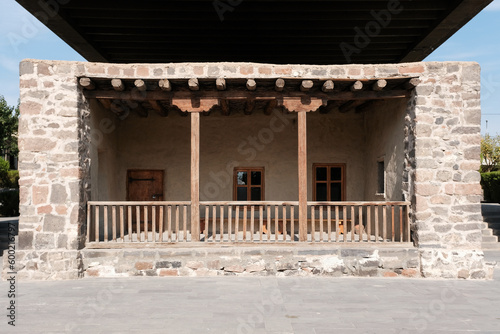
(24, 37)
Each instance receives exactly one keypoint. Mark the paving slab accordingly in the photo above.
(296, 305)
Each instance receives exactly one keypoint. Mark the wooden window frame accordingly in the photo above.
(328, 180)
(249, 186)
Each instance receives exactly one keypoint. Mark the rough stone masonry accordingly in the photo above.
(441, 180)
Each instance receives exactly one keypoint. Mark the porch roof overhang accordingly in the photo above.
(243, 95)
(278, 31)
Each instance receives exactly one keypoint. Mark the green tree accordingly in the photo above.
(490, 153)
(9, 121)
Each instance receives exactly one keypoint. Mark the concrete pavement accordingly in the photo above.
(255, 305)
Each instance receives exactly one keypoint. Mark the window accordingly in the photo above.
(248, 184)
(380, 177)
(328, 182)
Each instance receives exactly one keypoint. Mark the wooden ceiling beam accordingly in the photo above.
(328, 86)
(379, 85)
(164, 85)
(251, 84)
(87, 83)
(412, 83)
(220, 83)
(306, 85)
(270, 107)
(279, 85)
(237, 94)
(117, 85)
(140, 85)
(357, 86)
(193, 84)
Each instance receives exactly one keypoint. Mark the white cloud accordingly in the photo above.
(494, 6)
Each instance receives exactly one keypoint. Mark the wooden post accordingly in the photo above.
(302, 132)
(195, 176)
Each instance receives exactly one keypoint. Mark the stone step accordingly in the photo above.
(487, 231)
(491, 238)
(490, 245)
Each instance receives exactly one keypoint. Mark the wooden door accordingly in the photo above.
(145, 185)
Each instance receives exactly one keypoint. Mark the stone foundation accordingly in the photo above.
(253, 261)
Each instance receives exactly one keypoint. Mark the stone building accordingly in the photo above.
(222, 168)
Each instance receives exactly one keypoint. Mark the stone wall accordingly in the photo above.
(253, 261)
(442, 138)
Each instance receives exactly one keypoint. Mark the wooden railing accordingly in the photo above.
(138, 221)
(247, 222)
(358, 222)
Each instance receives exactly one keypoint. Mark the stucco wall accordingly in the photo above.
(384, 128)
(257, 140)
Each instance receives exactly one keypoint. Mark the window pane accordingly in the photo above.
(255, 193)
(242, 178)
(256, 178)
(336, 191)
(336, 174)
(241, 193)
(321, 174)
(321, 192)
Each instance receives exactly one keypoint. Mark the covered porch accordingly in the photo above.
(247, 161)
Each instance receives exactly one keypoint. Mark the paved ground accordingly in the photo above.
(255, 305)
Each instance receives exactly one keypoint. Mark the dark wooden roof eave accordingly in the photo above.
(77, 35)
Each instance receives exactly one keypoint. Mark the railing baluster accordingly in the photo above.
(329, 222)
(392, 220)
(245, 212)
(377, 212)
(284, 223)
(214, 223)
(292, 223)
(160, 223)
(113, 221)
(344, 222)
(97, 224)
(268, 223)
(360, 223)
(236, 224)
(153, 222)
(337, 222)
(321, 236)
(384, 224)
(177, 217)
(313, 223)
(252, 217)
(169, 223)
(122, 224)
(353, 223)
(276, 223)
(184, 221)
(105, 213)
(229, 223)
(207, 221)
(146, 222)
(369, 223)
(261, 221)
(129, 222)
(221, 229)
(138, 222)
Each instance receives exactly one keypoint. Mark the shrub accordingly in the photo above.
(9, 203)
(4, 173)
(13, 176)
(491, 186)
